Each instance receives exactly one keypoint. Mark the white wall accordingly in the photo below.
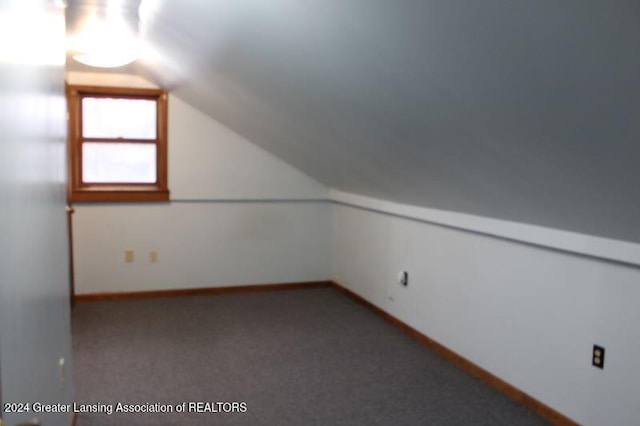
(528, 315)
(34, 276)
(201, 245)
(238, 216)
(207, 161)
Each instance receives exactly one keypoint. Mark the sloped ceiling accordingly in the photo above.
(521, 110)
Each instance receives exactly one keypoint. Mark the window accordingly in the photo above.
(117, 144)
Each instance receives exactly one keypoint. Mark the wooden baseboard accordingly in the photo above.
(200, 291)
(511, 391)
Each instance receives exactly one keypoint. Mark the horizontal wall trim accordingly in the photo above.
(248, 200)
(212, 201)
(196, 291)
(616, 251)
(599, 248)
(511, 391)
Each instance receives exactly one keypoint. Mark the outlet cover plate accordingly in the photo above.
(597, 358)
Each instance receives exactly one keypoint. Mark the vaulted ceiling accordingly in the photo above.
(521, 110)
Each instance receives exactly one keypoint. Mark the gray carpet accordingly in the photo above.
(295, 357)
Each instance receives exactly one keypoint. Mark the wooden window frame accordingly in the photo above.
(82, 191)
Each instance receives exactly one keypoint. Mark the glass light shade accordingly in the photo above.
(103, 60)
(105, 44)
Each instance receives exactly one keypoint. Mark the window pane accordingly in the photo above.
(118, 162)
(118, 118)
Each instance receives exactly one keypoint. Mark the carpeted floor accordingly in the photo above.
(294, 357)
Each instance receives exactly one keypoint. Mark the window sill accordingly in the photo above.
(120, 195)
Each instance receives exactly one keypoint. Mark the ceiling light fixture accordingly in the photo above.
(105, 43)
